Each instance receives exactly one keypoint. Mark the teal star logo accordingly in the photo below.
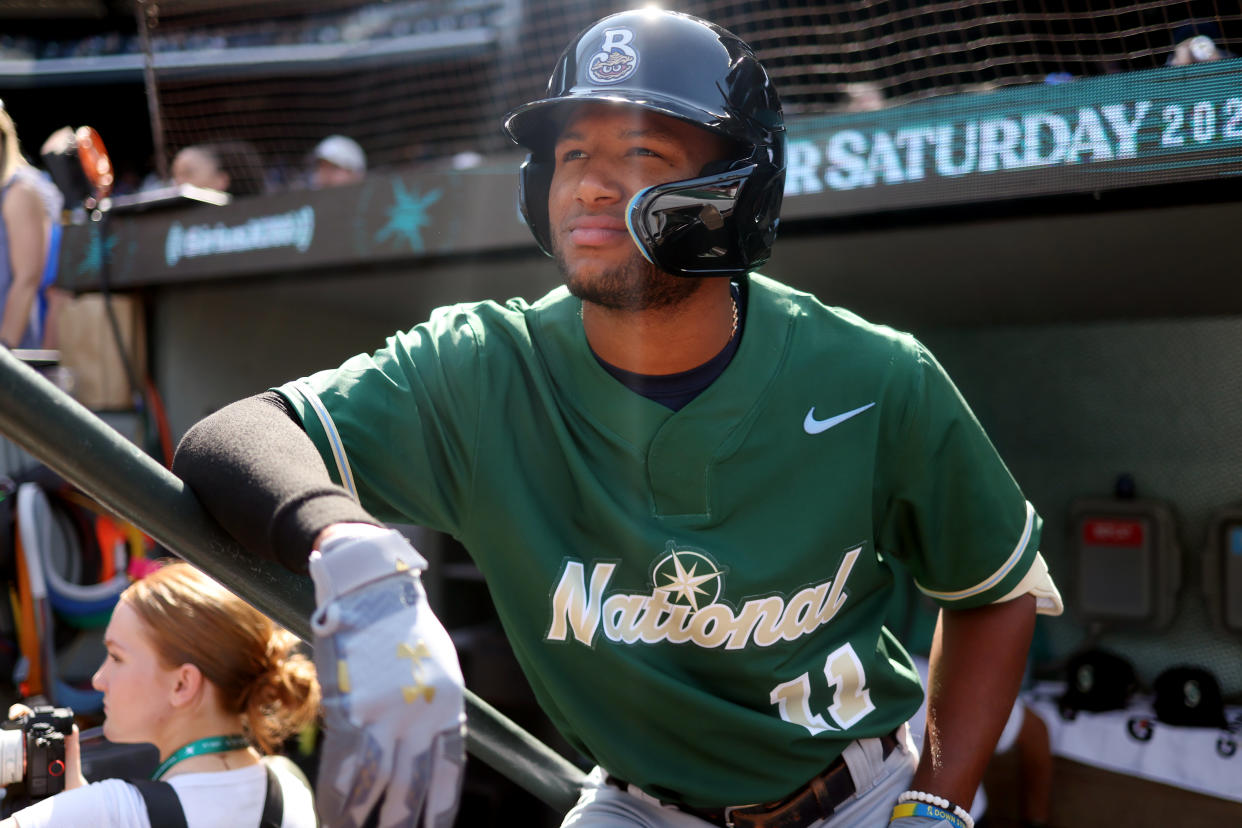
(93, 261)
(408, 215)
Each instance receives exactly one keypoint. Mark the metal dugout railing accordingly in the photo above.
(76, 444)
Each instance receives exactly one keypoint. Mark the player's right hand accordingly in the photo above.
(393, 698)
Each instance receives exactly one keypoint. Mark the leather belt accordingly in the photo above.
(815, 800)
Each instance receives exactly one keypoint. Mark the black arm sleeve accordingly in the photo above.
(257, 472)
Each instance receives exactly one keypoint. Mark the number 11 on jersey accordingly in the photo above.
(851, 698)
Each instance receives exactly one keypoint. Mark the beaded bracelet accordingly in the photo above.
(941, 803)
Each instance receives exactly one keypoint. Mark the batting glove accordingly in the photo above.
(920, 822)
(393, 698)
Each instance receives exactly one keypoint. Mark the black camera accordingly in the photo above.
(32, 752)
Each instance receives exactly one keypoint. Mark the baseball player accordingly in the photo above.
(685, 483)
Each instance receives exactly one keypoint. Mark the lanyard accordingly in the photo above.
(212, 744)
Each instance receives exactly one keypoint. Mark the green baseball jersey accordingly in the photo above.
(696, 597)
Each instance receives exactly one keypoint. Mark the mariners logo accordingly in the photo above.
(688, 577)
(616, 60)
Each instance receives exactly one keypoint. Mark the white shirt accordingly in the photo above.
(223, 799)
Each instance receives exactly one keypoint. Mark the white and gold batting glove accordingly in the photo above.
(393, 697)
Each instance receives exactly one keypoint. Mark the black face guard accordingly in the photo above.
(720, 224)
(688, 228)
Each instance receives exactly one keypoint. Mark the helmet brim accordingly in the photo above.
(535, 125)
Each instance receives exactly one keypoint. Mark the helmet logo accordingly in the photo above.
(616, 60)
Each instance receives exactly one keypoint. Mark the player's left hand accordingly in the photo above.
(393, 697)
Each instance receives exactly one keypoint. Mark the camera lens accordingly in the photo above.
(12, 756)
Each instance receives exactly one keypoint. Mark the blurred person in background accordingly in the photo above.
(337, 160)
(214, 685)
(1197, 42)
(231, 167)
(24, 235)
(863, 96)
(49, 296)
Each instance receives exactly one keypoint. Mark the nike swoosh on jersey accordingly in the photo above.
(814, 426)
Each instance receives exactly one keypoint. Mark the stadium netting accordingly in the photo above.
(418, 80)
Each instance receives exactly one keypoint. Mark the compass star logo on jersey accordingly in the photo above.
(616, 60)
(689, 577)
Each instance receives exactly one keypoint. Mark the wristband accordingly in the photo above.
(341, 568)
(963, 817)
(922, 809)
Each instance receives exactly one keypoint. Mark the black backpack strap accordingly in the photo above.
(163, 806)
(274, 804)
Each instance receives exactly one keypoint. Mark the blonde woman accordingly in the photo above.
(214, 685)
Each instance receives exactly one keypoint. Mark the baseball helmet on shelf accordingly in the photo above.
(722, 222)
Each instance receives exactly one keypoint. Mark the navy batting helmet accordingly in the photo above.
(721, 223)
